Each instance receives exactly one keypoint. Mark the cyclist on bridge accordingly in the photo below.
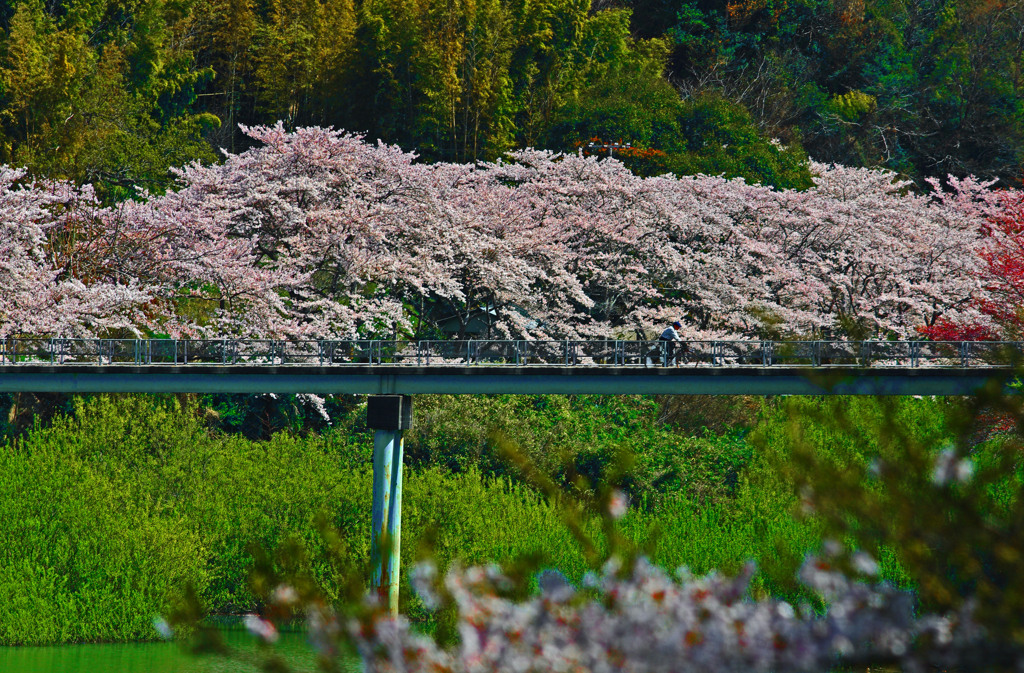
(671, 336)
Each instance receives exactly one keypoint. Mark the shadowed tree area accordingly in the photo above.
(116, 92)
(924, 88)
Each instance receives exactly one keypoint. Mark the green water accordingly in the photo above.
(157, 657)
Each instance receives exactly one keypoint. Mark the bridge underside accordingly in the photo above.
(481, 379)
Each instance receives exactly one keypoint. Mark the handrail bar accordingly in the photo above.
(58, 351)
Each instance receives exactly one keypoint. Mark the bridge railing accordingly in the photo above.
(520, 353)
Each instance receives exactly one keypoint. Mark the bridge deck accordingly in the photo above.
(482, 379)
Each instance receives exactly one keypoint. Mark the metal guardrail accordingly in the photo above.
(425, 353)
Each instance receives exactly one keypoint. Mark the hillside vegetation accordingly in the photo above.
(116, 92)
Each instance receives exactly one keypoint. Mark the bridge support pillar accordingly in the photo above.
(388, 415)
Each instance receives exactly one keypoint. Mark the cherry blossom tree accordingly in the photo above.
(1000, 307)
(318, 234)
(738, 259)
(49, 287)
(863, 254)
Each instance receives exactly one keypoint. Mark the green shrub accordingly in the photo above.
(81, 557)
(108, 511)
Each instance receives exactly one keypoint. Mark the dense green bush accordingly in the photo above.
(109, 511)
(580, 436)
(701, 134)
(106, 514)
(82, 557)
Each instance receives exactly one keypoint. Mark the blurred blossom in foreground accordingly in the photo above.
(285, 595)
(261, 628)
(949, 469)
(864, 563)
(618, 504)
(648, 622)
(163, 628)
(322, 629)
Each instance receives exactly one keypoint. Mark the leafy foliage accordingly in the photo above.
(581, 441)
(868, 473)
(921, 88)
(151, 502)
(96, 91)
(115, 93)
(83, 558)
(704, 134)
(706, 503)
(225, 501)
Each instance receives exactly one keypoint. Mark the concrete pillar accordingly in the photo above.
(388, 415)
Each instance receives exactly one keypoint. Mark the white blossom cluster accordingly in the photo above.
(47, 287)
(318, 234)
(950, 468)
(645, 620)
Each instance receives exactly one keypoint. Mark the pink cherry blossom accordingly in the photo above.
(644, 620)
(319, 234)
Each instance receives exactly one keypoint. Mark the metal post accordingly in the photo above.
(385, 536)
(389, 415)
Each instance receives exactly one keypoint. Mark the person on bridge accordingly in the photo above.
(671, 336)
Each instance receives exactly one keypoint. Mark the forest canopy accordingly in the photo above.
(117, 92)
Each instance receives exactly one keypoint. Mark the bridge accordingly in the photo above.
(380, 367)
(390, 371)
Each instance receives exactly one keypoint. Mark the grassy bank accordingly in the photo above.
(105, 514)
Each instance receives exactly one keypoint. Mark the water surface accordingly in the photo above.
(156, 657)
